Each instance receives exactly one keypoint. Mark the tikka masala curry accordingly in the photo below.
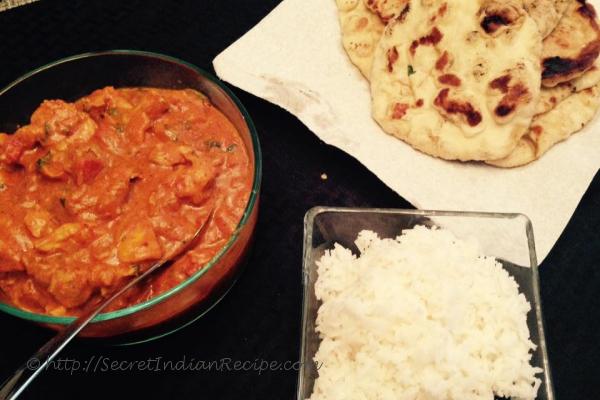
(94, 191)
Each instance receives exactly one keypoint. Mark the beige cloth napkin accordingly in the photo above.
(294, 59)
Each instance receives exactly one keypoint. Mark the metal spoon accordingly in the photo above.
(14, 386)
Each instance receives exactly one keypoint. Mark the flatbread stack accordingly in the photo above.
(497, 81)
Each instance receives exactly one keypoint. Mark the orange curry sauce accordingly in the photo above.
(92, 192)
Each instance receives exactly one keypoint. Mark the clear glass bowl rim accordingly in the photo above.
(48, 319)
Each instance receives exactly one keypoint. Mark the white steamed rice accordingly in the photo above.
(420, 317)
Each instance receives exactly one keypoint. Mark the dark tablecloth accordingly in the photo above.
(260, 318)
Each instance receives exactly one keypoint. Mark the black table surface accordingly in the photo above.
(260, 318)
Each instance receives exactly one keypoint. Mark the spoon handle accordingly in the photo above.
(15, 385)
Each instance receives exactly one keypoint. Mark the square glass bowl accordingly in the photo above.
(507, 237)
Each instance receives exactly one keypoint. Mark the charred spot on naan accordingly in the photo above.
(514, 94)
(387, 10)
(442, 61)
(403, 13)
(440, 12)
(586, 9)
(491, 23)
(501, 83)
(450, 80)
(453, 107)
(498, 16)
(399, 110)
(433, 38)
(574, 45)
(556, 67)
(392, 55)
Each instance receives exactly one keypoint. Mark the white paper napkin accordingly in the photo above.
(294, 58)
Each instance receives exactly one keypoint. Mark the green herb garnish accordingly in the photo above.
(231, 148)
(44, 160)
(120, 128)
(411, 70)
(47, 129)
(113, 112)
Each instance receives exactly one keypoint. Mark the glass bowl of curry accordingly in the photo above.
(108, 162)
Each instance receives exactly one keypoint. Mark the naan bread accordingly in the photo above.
(551, 96)
(458, 79)
(555, 122)
(573, 46)
(546, 13)
(387, 9)
(363, 22)
(590, 78)
(548, 129)
(361, 30)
